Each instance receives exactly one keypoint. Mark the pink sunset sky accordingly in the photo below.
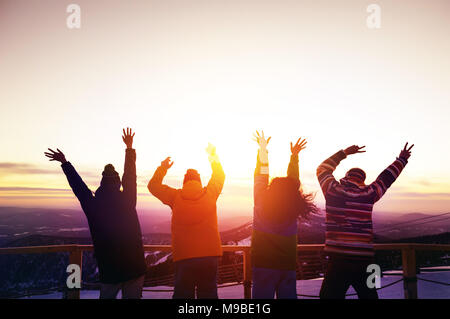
(185, 73)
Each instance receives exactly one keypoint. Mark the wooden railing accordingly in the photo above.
(408, 259)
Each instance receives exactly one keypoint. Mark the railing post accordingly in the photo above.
(409, 273)
(75, 257)
(247, 274)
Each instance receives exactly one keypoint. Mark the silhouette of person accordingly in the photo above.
(349, 232)
(113, 223)
(196, 240)
(277, 208)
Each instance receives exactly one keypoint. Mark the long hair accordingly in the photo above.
(284, 200)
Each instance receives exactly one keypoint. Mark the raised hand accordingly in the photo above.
(167, 163)
(354, 149)
(56, 156)
(299, 146)
(261, 140)
(212, 155)
(406, 152)
(211, 150)
(128, 137)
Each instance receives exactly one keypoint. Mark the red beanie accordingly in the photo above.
(191, 175)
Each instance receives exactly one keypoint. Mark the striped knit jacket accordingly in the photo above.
(274, 246)
(349, 207)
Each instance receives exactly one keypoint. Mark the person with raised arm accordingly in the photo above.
(349, 231)
(277, 209)
(196, 244)
(113, 223)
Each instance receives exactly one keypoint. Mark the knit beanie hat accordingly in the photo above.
(110, 176)
(357, 175)
(191, 175)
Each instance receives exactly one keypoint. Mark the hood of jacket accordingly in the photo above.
(192, 190)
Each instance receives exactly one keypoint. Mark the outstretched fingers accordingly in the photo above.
(406, 147)
(303, 143)
(257, 137)
(128, 132)
(299, 145)
(55, 155)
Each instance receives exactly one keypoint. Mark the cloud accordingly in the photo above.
(33, 189)
(30, 192)
(8, 168)
(422, 195)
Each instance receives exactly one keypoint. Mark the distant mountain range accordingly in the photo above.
(37, 227)
(18, 222)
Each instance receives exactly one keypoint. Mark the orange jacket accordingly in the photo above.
(194, 214)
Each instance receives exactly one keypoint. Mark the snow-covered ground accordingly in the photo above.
(426, 290)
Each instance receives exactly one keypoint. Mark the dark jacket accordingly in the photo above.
(113, 222)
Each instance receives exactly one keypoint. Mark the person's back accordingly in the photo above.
(116, 235)
(194, 222)
(349, 230)
(277, 207)
(195, 236)
(113, 224)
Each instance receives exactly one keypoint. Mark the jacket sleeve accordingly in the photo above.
(217, 179)
(129, 176)
(261, 181)
(387, 177)
(326, 169)
(79, 188)
(293, 171)
(164, 193)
